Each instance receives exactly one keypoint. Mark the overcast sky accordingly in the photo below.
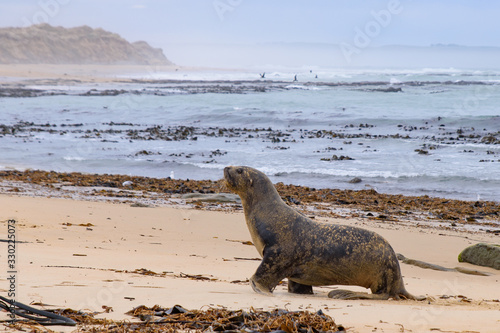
(353, 23)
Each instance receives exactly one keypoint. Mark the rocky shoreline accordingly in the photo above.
(483, 216)
(449, 153)
(130, 131)
(176, 87)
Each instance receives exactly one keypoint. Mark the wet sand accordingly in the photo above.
(86, 254)
(82, 73)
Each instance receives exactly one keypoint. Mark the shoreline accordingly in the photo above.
(112, 254)
(85, 73)
(20, 74)
(325, 202)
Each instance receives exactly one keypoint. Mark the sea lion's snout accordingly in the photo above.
(227, 172)
(229, 177)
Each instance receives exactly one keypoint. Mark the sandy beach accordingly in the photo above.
(90, 251)
(85, 255)
(10, 73)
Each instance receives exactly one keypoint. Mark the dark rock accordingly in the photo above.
(422, 152)
(355, 180)
(490, 139)
(388, 89)
(338, 158)
(292, 200)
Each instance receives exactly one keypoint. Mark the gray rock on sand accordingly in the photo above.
(212, 197)
(482, 254)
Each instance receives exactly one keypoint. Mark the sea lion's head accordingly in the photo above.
(244, 181)
(238, 178)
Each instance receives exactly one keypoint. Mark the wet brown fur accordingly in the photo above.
(309, 253)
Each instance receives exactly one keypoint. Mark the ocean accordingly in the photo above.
(429, 132)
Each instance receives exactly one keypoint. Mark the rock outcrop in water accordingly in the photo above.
(45, 44)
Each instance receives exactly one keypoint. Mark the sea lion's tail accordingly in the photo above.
(350, 295)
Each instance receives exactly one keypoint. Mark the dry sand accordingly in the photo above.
(67, 265)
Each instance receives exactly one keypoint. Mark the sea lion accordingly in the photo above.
(310, 253)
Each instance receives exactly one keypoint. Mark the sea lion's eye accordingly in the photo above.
(240, 171)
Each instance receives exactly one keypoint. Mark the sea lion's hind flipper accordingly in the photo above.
(297, 288)
(350, 295)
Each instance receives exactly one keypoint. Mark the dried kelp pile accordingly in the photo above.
(395, 205)
(386, 206)
(166, 186)
(223, 320)
(177, 318)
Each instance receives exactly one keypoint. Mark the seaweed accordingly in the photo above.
(178, 318)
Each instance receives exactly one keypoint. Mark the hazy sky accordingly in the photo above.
(353, 23)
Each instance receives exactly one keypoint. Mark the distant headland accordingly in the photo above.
(45, 44)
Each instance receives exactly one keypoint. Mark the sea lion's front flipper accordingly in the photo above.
(350, 295)
(269, 273)
(297, 288)
(260, 288)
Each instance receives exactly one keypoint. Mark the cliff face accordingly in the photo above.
(44, 44)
